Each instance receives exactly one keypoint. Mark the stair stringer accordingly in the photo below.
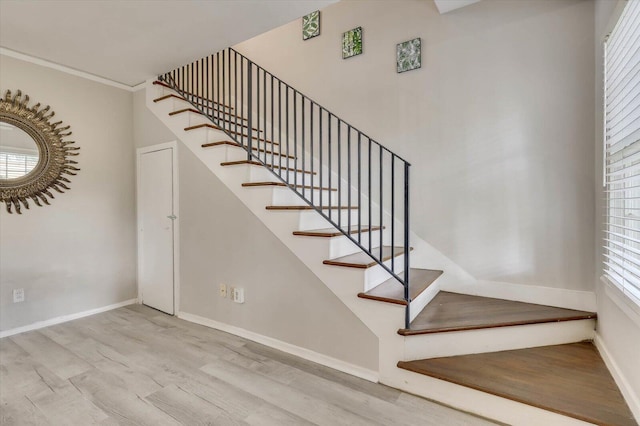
(382, 319)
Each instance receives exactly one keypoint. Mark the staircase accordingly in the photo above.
(340, 201)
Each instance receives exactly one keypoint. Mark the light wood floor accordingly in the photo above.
(136, 366)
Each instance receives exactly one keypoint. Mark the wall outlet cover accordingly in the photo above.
(18, 295)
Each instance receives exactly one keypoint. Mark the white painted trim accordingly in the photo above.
(64, 318)
(621, 300)
(140, 86)
(173, 145)
(44, 63)
(632, 399)
(549, 296)
(327, 361)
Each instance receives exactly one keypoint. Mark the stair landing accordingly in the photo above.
(570, 379)
(458, 312)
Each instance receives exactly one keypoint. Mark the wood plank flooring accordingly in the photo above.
(568, 379)
(137, 366)
(456, 312)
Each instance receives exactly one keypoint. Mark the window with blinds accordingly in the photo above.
(622, 153)
(16, 164)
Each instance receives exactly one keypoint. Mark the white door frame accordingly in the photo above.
(176, 223)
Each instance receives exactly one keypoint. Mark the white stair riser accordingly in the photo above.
(377, 274)
(262, 174)
(342, 246)
(286, 197)
(311, 220)
(497, 339)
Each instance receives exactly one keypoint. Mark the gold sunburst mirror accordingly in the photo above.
(34, 158)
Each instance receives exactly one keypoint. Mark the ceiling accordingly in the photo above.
(445, 6)
(131, 41)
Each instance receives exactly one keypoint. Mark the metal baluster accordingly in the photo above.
(279, 129)
(359, 187)
(348, 177)
(221, 107)
(286, 88)
(370, 206)
(381, 201)
(311, 141)
(329, 115)
(295, 136)
(406, 246)
(217, 103)
(339, 178)
(249, 108)
(235, 94)
(393, 207)
(320, 142)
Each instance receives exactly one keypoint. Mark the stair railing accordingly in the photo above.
(309, 149)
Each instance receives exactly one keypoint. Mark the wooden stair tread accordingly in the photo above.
(250, 184)
(458, 312)
(235, 144)
(257, 163)
(569, 379)
(392, 291)
(219, 111)
(233, 132)
(163, 84)
(311, 208)
(333, 232)
(217, 116)
(362, 260)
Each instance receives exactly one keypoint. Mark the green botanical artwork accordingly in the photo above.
(408, 55)
(311, 25)
(352, 43)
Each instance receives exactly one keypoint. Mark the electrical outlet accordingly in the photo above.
(223, 290)
(232, 293)
(18, 295)
(238, 295)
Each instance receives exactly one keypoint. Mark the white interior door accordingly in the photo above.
(156, 227)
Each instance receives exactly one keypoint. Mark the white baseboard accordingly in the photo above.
(301, 352)
(632, 399)
(65, 318)
(549, 296)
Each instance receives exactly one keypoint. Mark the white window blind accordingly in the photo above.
(622, 153)
(16, 164)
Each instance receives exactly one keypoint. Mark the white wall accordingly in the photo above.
(618, 319)
(221, 241)
(79, 253)
(497, 123)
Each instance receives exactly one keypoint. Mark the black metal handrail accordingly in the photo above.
(311, 150)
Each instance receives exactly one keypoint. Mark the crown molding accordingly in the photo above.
(42, 62)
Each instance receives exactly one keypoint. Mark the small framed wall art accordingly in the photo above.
(409, 55)
(311, 25)
(352, 43)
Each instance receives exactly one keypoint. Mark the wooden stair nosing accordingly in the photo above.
(391, 291)
(444, 314)
(332, 232)
(160, 83)
(257, 163)
(569, 379)
(258, 184)
(306, 207)
(213, 126)
(342, 261)
(218, 110)
(217, 116)
(410, 332)
(237, 145)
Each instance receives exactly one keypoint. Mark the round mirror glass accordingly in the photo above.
(18, 152)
